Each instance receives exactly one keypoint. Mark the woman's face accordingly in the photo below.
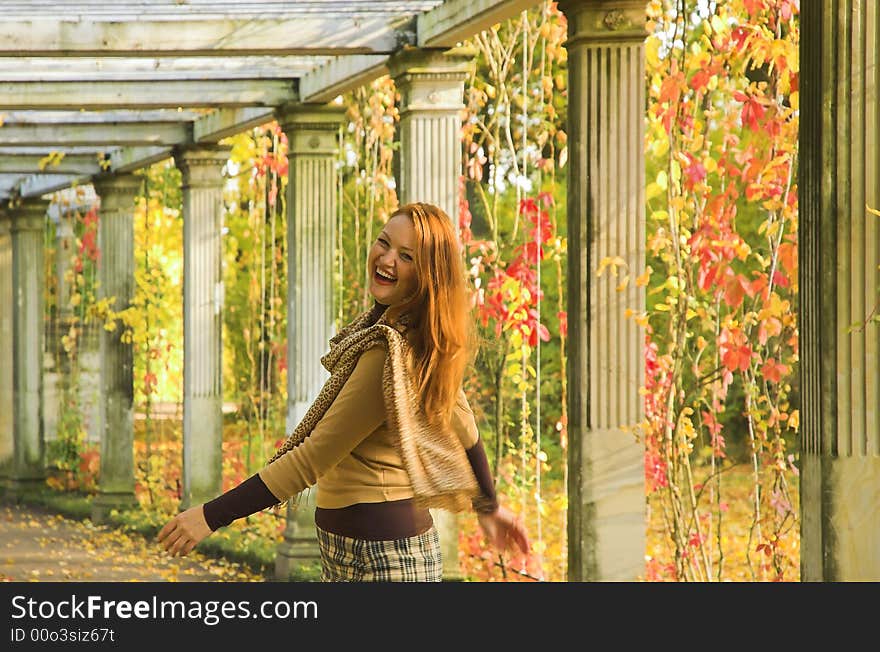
(391, 263)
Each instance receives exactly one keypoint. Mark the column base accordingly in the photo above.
(298, 557)
(106, 502)
(446, 524)
(298, 560)
(15, 488)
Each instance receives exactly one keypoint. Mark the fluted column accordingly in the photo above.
(431, 86)
(27, 229)
(6, 364)
(427, 169)
(203, 293)
(312, 134)
(116, 278)
(606, 217)
(839, 254)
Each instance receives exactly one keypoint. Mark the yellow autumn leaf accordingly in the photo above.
(613, 263)
(652, 51)
(653, 190)
(662, 180)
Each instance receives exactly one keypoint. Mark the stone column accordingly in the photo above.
(203, 293)
(116, 279)
(606, 217)
(839, 280)
(312, 134)
(6, 360)
(28, 225)
(431, 87)
(428, 167)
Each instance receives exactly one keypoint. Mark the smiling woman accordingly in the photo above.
(391, 433)
(391, 262)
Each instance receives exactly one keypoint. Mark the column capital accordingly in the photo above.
(454, 64)
(117, 191)
(604, 21)
(311, 129)
(431, 79)
(310, 116)
(29, 215)
(202, 165)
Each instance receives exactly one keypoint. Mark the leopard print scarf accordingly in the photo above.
(434, 457)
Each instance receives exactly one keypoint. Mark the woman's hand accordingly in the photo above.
(183, 532)
(502, 528)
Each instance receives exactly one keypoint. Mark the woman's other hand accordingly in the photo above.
(183, 532)
(503, 529)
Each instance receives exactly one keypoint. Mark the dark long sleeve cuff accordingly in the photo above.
(249, 497)
(487, 501)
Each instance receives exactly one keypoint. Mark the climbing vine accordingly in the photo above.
(722, 338)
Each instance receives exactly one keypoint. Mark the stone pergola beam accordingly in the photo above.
(457, 20)
(96, 133)
(340, 75)
(225, 122)
(110, 68)
(129, 159)
(146, 95)
(290, 34)
(36, 185)
(71, 164)
(75, 168)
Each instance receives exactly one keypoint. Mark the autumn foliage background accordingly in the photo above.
(721, 340)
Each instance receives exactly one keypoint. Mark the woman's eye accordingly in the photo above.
(406, 257)
(383, 242)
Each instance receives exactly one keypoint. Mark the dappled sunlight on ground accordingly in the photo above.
(36, 545)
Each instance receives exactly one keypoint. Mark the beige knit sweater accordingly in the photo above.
(365, 438)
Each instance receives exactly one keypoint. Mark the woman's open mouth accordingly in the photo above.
(384, 279)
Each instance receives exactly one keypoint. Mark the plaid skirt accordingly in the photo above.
(413, 559)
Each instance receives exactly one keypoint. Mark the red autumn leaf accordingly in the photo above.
(562, 316)
(780, 279)
(670, 89)
(736, 354)
(740, 35)
(752, 113)
(754, 7)
(700, 80)
(788, 257)
(735, 289)
(150, 382)
(706, 276)
(774, 371)
(695, 173)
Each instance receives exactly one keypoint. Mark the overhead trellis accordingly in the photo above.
(136, 78)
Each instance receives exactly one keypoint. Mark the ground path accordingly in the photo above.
(38, 545)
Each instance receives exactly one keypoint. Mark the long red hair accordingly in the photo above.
(443, 328)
